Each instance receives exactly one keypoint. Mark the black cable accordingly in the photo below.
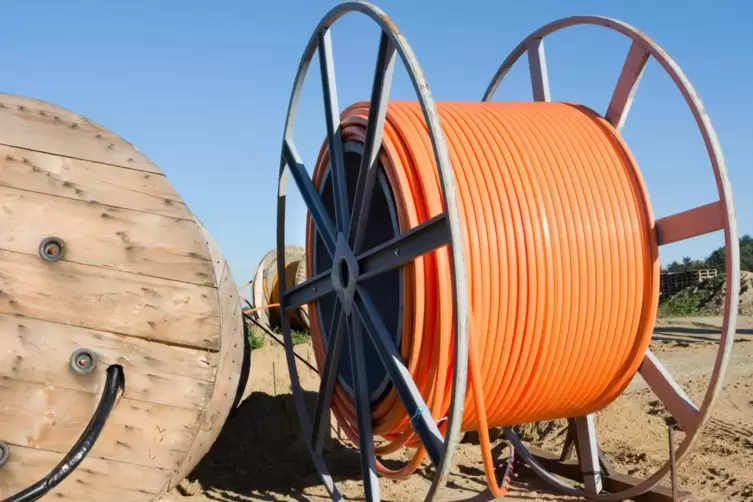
(115, 382)
(281, 342)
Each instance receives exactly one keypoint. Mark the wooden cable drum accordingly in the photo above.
(512, 244)
(100, 256)
(265, 291)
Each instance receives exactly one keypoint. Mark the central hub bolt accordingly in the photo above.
(344, 273)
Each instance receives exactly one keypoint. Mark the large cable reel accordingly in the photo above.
(340, 233)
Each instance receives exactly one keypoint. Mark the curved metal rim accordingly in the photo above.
(732, 266)
(401, 46)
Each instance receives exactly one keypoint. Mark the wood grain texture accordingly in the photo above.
(215, 253)
(90, 182)
(109, 237)
(109, 300)
(52, 418)
(35, 351)
(95, 480)
(228, 371)
(31, 124)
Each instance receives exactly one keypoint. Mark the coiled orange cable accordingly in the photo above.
(561, 261)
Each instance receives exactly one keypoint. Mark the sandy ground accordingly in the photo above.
(261, 454)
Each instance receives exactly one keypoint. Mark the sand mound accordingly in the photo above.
(707, 298)
(716, 302)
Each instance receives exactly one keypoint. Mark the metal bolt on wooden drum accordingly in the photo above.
(83, 361)
(457, 255)
(117, 309)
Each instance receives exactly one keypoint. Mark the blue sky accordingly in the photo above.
(202, 88)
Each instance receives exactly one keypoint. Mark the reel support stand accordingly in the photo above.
(340, 231)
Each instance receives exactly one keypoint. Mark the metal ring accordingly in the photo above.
(52, 249)
(83, 361)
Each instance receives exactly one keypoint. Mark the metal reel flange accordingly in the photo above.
(344, 242)
(719, 215)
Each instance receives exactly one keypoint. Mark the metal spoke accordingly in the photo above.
(310, 196)
(691, 223)
(405, 248)
(627, 85)
(363, 412)
(537, 67)
(380, 90)
(588, 453)
(329, 377)
(332, 117)
(422, 421)
(309, 291)
(669, 392)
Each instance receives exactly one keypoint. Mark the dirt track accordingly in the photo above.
(261, 454)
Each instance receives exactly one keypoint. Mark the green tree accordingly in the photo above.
(718, 258)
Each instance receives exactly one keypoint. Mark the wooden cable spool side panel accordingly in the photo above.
(228, 369)
(106, 236)
(90, 182)
(61, 132)
(136, 284)
(157, 373)
(96, 480)
(264, 285)
(258, 295)
(109, 300)
(51, 418)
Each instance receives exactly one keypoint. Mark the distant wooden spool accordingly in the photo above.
(141, 283)
(264, 287)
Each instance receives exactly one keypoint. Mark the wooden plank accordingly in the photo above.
(94, 480)
(104, 236)
(109, 300)
(90, 182)
(30, 124)
(691, 223)
(52, 418)
(228, 371)
(37, 351)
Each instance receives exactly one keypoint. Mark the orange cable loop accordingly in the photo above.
(561, 260)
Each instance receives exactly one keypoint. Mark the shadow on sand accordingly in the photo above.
(261, 453)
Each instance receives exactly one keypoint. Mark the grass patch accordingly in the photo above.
(706, 298)
(257, 338)
(300, 337)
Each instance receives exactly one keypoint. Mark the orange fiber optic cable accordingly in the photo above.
(561, 261)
